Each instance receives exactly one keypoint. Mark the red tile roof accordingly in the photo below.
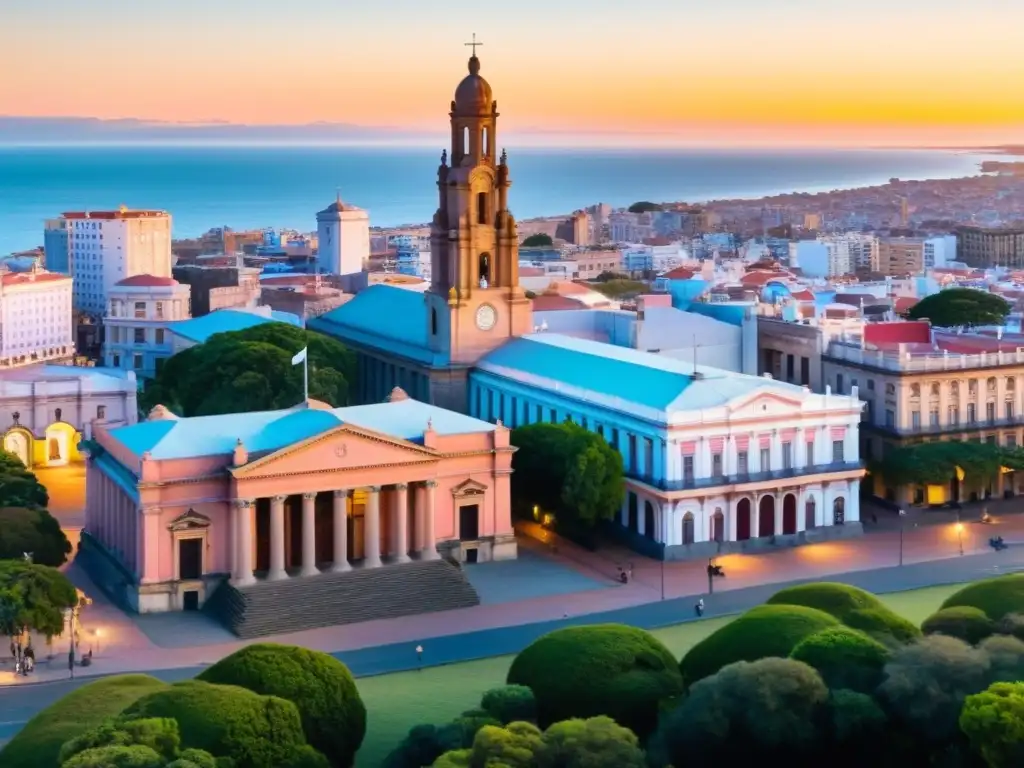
(804, 295)
(548, 302)
(763, 277)
(151, 281)
(679, 273)
(120, 214)
(26, 278)
(902, 304)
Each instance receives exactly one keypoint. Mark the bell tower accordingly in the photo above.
(475, 302)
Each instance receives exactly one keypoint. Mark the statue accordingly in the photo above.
(483, 283)
(444, 157)
(504, 156)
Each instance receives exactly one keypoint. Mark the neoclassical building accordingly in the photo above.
(181, 504)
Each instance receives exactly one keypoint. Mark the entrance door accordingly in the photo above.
(190, 600)
(16, 443)
(469, 522)
(190, 559)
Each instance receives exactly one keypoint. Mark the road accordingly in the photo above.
(19, 703)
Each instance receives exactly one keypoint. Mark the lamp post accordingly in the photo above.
(69, 614)
(960, 537)
(662, 574)
(903, 516)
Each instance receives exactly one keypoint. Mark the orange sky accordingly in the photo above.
(786, 71)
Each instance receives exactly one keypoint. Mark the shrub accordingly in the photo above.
(994, 723)
(1005, 658)
(768, 630)
(1012, 624)
(195, 758)
(996, 597)
(39, 742)
(763, 712)
(510, 703)
(845, 658)
(603, 669)
(159, 734)
(225, 720)
(333, 715)
(851, 606)
(426, 743)
(593, 742)
(117, 757)
(964, 622)
(857, 729)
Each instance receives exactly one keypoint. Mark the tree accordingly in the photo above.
(568, 470)
(644, 206)
(964, 622)
(601, 669)
(854, 607)
(18, 486)
(144, 743)
(426, 743)
(333, 715)
(538, 240)
(510, 703)
(34, 596)
(956, 307)
(35, 531)
(765, 712)
(845, 658)
(252, 370)
(993, 722)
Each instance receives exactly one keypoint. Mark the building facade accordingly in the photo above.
(139, 311)
(36, 318)
(57, 246)
(715, 461)
(46, 410)
(900, 256)
(990, 247)
(183, 504)
(343, 236)
(108, 246)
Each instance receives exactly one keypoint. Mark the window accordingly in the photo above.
(839, 383)
(810, 453)
(971, 413)
(554, 416)
(933, 417)
(991, 439)
(790, 365)
(583, 421)
(991, 384)
(137, 362)
(1011, 440)
(1008, 409)
(954, 416)
(787, 455)
(514, 412)
(687, 469)
(805, 371)
(117, 361)
(935, 389)
(481, 209)
(766, 459)
(890, 389)
(140, 335)
(600, 430)
(837, 452)
(101, 411)
(615, 437)
(890, 417)
(160, 310)
(159, 335)
(741, 462)
(688, 528)
(648, 457)
(915, 390)
(540, 413)
(1011, 383)
(57, 412)
(972, 387)
(990, 412)
(871, 385)
(465, 141)
(716, 465)
(915, 419)
(140, 309)
(433, 321)
(485, 144)
(632, 453)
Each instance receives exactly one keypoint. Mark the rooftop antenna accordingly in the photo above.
(695, 354)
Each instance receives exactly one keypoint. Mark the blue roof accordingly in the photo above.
(200, 329)
(268, 431)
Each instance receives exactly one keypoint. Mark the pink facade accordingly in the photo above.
(348, 496)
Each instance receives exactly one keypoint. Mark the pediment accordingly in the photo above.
(189, 521)
(469, 488)
(344, 447)
(764, 404)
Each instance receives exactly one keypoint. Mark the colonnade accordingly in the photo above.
(112, 517)
(423, 535)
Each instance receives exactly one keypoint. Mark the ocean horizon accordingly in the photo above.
(249, 186)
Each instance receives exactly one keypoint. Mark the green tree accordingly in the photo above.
(993, 722)
(844, 657)
(644, 206)
(36, 596)
(510, 703)
(538, 240)
(589, 743)
(35, 531)
(936, 463)
(333, 715)
(965, 622)
(426, 743)
(566, 469)
(955, 307)
(19, 487)
(252, 370)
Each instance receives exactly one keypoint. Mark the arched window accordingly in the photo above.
(972, 387)
(810, 517)
(915, 390)
(688, 528)
(485, 267)
(839, 511)
(57, 414)
(954, 388)
(465, 140)
(935, 389)
(718, 526)
(481, 207)
(485, 143)
(433, 321)
(991, 384)
(1011, 383)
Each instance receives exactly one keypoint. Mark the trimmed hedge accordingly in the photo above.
(853, 607)
(845, 658)
(996, 597)
(228, 721)
(333, 715)
(39, 742)
(135, 756)
(965, 622)
(510, 704)
(602, 669)
(762, 632)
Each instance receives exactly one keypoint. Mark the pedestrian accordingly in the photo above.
(699, 608)
(419, 657)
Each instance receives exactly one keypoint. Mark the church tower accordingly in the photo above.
(474, 303)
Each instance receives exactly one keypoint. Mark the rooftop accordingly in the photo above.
(121, 213)
(199, 329)
(151, 281)
(268, 431)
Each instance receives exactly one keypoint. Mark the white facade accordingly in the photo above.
(835, 255)
(139, 310)
(343, 236)
(36, 317)
(108, 246)
(939, 251)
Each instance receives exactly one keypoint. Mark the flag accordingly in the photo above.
(300, 357)
(959, 471)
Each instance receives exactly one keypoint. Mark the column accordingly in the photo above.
(429, 551)
(309, 535)
(372, 529)
(243, 540)
(234, 564)
(779, 499)
(341, 532)
(277, 539)
(402, 522)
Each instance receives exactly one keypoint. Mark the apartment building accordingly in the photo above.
(36, 320)
(139, 312)
(990, 247)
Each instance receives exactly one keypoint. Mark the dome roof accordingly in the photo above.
(148, 281)
(473, 96)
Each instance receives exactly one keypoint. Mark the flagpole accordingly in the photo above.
(305, 377)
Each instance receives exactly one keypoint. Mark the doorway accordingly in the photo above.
(190, 600)
(469, 522)
(190, 559)
(472, 555)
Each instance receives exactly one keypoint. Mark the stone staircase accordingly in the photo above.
(272, 607)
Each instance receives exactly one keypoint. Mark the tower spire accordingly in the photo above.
(473, 45)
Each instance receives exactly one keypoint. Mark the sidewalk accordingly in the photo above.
(931, 556)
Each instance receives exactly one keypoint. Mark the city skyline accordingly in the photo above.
(740, 72)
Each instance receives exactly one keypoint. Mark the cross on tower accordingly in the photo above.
(473, 44)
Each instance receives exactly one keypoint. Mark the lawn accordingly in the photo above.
(395, 703)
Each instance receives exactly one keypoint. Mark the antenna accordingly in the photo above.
(695, 354)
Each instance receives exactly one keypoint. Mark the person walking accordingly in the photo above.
(699, 608)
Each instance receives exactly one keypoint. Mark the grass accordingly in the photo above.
(39, 742)
(397, 702)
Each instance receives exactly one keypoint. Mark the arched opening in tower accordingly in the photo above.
(485, 267)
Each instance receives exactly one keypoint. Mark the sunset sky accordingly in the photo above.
(728, 71)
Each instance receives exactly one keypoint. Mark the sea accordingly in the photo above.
(284, 186)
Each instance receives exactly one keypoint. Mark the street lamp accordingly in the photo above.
(662, 574)
(69, 614)
(960, 536)
(903, 516)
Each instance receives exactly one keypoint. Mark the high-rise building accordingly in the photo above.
(900, 256)
(57, 246)
(343, 232)
(35, 317)
(139, 310)
(990, 247)
(105, 247)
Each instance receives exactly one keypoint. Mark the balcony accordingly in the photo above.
(917, 363)
(698, 483)
(942, 429)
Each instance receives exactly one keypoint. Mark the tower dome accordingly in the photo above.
(473, 96)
